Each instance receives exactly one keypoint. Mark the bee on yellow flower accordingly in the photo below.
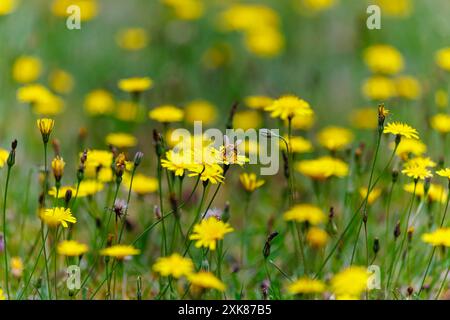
(120, 252)
(175, 266)
(58, 216)
(71, 248)
(209, 231)
(250, 182)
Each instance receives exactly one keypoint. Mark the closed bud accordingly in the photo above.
(397, 230)
(58, 165)
(394, 175)
(12, 154)
(157, 212)
(376, 245)
(67, 197)
(138, 158)
(267, 245)
(158, 142)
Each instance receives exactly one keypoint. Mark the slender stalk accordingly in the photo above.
(5, 236)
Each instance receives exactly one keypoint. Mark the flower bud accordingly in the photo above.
(138, 158)
(376, 245)
(397, 230)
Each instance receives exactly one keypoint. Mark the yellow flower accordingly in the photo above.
(289, 106)
(26, 69)
(350, 282)
(383, 59)
(209, 231)
(397, 8)
(89, 187)
(186, 9)
(48, 105)
(317, 5)
(120, 251)
(206, 280)
(128, 111)
(435, 192)
(61, 81)
(335, 138)
(401, 129)
(142, 184)
(306, 285)
(166, 114)
(298, 145)
(374, 194)
(441, 98)
(175, 266)
(98, 158)
(200, 110)
(177, 162)
(71, 248)
(305, 213)
(208, 172)
(135, 85)
(121, 140)
(247, 17)
(62, 191)
(265, 42)
(33, 93)
(45, 126)
(444, 173)
(364, 118)
(441, 123)
(4, 154)
(420, 161)
(316, 238)
(322, 168)
(58, 165)
(88, 8)
(247, 120)
(7, 7)
(408, 87)
(2, 295)
(409, 146)
(442, 58)
(439, 237)
(250, 182)
(258, 102)
(379, 88)
(58, 216)
(304, 122)
(99, 102)
(16, 267)
(417, 172)
(132, 39)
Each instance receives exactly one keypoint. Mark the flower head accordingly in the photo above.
(71, 248)
(306, 285)
(99, 102)
(209, 231)
(58, 165)
(206, 280)
(250, 182)
(442, 58)
(4, 154)
(441, 123)
(58, 216)
(439, 237)
(383, 59)
(335, 138)
(135, 85)
(200, 110)
(316, 237)
(444, 173)
(121, 140)
(322, 168)
(374, 194)
(401, 129)
(379, 88)
(45, 126)
(350, 282)
(288, 107)
(16, 267)
(208, 173)
(166, 114)
(305, 213)
(120, 251)
(174, 265)
(417, 172)
(258, 102)
(142, 184)
(132, 39)
(26, 69)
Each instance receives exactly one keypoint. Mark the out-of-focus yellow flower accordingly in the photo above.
(61, 81)
(306, 285)
(322, 168)
(264, 42)
(33, 94)
(248, 119)
(379, 88)
(350, 282)
(397, 8)
(58, 216)
(250, 181)
(364, 118)
(62, 191)
(26, 69)
(305, 213)
(200, 110)
(289, 107)
(99, 102)
(436, 192)
(209, 231)
(408, 87)
(206, 280)
(121, 140)
(442, 58)
(4, 154)
(90, 187)
(16, 267)
(441, 123)
(2, 295)
(50, 105)
(383, 59)
(186, 9)
(444, 173)
(142, 184)
(298, 145)
(439, 237)
(120, 251)
(217, 56)
(441, 98)
(374, 194)
(88, 8)
(335, 138)
(7, 7)
(401, 129)
(71, 248)
(409, 146)
(317, 238)
(258, 102)
(175, 266)
(316, 6)
(305, 122)
(132, 39)
(135, 85)
(166, 114)
(127, 111)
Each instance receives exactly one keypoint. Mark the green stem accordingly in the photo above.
(5, 233)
